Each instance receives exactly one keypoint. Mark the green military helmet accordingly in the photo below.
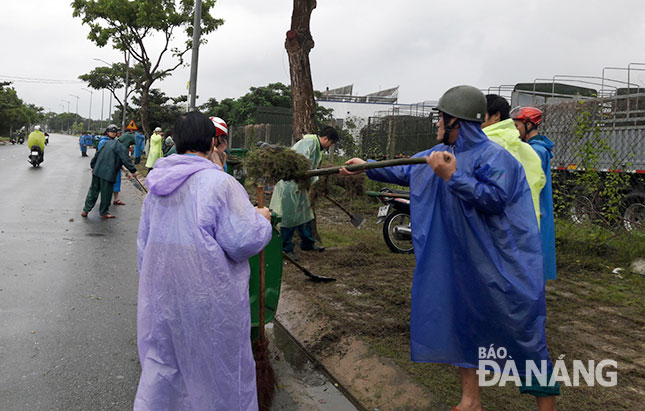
(464, 102)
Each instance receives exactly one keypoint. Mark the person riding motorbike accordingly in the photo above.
(37, 139)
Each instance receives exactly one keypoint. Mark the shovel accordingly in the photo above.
(135, 182)
(356, 220)
(314, 277)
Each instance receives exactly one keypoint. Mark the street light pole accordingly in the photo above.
(77, 97)
(102, 111)
(62, 119)
(89, 120)
(197, 25)
(127, 83)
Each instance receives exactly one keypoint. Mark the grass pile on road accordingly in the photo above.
(593, 314)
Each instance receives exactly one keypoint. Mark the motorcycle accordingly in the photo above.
(21, 138)
(46, 138)
(35, 157)
(395, 216)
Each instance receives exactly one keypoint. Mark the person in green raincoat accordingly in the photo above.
(106, 165)
(292, 204)
(500, 128)
(156, 152)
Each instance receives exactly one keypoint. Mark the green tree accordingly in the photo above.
(163, 111)
(242, 111)
(131, 25)
(110, 78)
(14, 113)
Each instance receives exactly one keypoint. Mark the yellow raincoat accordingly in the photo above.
(36, 138)
(506, 135)
(288, 201)
(155, 150)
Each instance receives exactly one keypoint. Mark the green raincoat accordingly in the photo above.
(506, 135)
(155, 150)
(288, 201)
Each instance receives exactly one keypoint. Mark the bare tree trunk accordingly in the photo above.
(298, 44)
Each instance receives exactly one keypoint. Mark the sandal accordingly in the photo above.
(106, 216)
(118, 202)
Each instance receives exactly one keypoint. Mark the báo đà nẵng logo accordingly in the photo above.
(590, 373)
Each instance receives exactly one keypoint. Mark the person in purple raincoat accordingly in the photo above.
(196, 234)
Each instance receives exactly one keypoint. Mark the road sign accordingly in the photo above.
(132, 126)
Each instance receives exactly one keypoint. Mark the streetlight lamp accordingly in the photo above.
(89, 121)
(110, 105)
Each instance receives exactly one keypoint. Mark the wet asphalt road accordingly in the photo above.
(68, 286)
(68, 293)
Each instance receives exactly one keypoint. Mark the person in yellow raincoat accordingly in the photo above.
(155, 148)
(500, 128)
(292, 204)
(37, 138)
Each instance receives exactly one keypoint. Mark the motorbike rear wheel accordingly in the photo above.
(397, 234)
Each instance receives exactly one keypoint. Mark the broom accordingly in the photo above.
(264, 374)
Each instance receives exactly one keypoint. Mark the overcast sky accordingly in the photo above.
(425, 47)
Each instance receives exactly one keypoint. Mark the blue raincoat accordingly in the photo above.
(139, 143)
(543, 146)
(196, 233)
(117, 183)
(478, 279)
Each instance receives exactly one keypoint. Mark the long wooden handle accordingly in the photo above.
(367, 166)
(261, 296)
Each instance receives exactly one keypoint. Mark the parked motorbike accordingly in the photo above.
(395, 216)
(35, 156)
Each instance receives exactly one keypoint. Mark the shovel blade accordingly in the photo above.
(357, 220)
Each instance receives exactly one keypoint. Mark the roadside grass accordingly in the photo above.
(592, 313)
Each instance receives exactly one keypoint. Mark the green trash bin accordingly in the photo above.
(234, 163)
(273, 280)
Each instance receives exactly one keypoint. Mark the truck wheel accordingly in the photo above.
(397, 233)
(634, 212)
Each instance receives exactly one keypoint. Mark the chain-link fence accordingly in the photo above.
(398, 135)
(607, 134)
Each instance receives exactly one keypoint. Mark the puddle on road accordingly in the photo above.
(300, 379)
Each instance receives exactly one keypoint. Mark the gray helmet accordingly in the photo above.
(464, 102)
(112, 127)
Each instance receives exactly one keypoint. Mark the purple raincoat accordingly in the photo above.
(196, 233)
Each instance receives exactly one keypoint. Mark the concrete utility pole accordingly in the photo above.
(197, 27)
(127, 83)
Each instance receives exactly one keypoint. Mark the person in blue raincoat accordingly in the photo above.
(196, 233)
(83, 143)
(527, 120)
(478, 279)
(139, 144)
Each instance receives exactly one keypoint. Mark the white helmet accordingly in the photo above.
(221, 129)
(36, 127)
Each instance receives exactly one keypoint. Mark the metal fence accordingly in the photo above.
(607, 133)
(391, 136)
